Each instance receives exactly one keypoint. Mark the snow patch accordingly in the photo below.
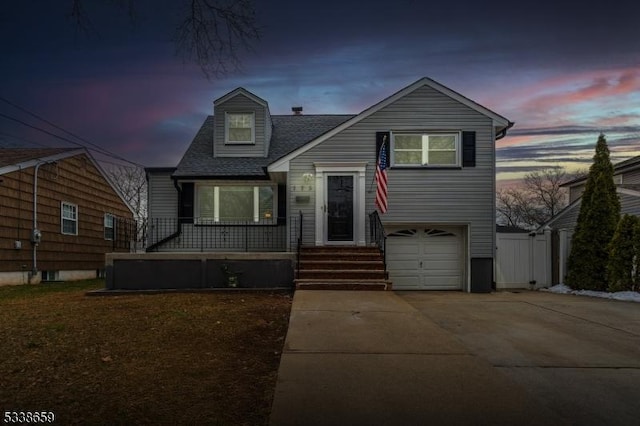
(627, 296)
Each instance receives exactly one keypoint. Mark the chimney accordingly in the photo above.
(297, 110)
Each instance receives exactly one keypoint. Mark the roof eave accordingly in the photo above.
(35, 161)
(498, 120)
(240, 91)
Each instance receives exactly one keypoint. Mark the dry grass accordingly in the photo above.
(140, 359)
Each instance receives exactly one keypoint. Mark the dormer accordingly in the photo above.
(242, 125)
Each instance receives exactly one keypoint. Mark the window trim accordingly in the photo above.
(198, 220)
(425, 151)
(63, 218)
(227, 115)
(112, 227)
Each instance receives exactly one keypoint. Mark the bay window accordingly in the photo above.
(426, 149)
(234, 203)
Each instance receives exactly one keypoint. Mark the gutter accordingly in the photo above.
(502, 133)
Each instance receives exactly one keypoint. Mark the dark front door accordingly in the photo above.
(340, 208)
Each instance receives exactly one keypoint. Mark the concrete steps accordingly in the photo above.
(342, 268)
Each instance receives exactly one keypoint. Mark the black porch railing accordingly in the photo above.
(124, 234)
(187, 234)
(378, 236)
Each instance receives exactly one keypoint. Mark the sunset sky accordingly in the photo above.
(562, 72)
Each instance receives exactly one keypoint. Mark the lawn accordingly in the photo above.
(199, 358)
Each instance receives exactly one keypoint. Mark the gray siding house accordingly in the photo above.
(627, 179)
(626, 176)
(255, 182)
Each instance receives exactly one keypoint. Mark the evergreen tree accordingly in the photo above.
(621, 255)
(597, 222)
(636, 251)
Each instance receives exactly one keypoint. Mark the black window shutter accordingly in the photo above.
(186, 203)
(282, 204)
(468, 149)
(382, 137)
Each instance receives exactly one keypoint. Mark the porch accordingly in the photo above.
(243, 255)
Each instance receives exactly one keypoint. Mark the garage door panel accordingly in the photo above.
(446, 247)
(439, 287)
(406, 281)
(404, 244)
(445, 264)
(403, 265)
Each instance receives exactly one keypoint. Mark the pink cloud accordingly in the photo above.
(123, 113)
(516, 140)
(619, 120)
(561, 100)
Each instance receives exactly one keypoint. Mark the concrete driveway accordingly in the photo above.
(578, 357)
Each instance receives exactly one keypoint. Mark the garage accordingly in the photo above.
(425, 257)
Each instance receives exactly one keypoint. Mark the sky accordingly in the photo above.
(562, 71)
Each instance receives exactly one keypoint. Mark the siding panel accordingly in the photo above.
(632, 177)
(163, 196)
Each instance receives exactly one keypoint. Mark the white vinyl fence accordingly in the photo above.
(523, 260)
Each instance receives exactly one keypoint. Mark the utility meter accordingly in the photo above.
(36, 236)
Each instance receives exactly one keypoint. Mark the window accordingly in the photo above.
(234, 203)
(50, 275)
(69, 214)
(435, 149)
(239, 128)
(109, 227)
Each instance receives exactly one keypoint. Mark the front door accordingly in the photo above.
(340, 208)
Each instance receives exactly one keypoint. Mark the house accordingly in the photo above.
(626, 176)
(59, 215)
(255, 182)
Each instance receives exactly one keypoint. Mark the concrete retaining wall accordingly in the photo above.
(148, 271)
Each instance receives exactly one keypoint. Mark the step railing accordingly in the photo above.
(299, 244)
(378, 235)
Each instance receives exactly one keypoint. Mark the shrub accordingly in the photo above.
(623, 254)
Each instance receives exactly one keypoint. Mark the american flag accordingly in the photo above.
(381, 177)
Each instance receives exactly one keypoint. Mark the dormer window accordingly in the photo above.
(240, 128)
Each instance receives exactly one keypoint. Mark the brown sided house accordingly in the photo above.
(59, 215)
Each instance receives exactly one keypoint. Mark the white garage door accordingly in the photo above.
(425, 258)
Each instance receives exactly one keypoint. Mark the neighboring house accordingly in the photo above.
(59, 215)
(626, 176)
(252, 181)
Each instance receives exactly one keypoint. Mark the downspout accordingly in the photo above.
(35, 232)
(178, 224)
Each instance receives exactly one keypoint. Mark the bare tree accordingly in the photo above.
(545, 190)
(538, 199)
(131, 182)
(211, 33)
(516, 207)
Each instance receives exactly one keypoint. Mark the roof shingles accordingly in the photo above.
(13, 156)
(289, 133)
